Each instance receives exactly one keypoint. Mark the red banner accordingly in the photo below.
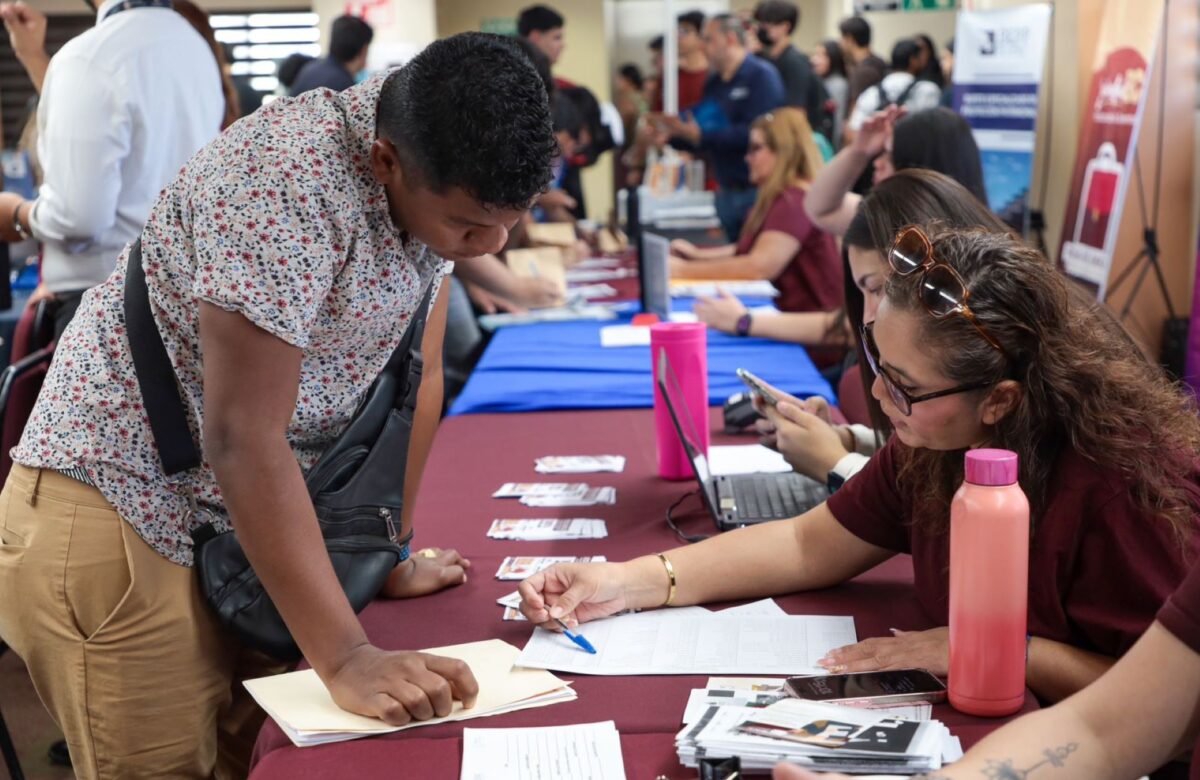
(1107, 140)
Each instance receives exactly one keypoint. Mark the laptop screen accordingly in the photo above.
(685, 427)
(655, 275)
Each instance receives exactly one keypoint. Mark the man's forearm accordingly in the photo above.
(429, 404)
(264, 491)
(490, 273)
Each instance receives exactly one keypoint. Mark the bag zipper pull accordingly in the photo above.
(386, 514)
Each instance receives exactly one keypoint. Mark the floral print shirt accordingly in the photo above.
(280, 220)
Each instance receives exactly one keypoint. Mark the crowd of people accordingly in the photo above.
(285, 249)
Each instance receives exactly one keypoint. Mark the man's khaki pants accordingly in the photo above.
(122, 647)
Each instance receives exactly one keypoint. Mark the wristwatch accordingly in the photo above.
(834, 480)
(743, 324)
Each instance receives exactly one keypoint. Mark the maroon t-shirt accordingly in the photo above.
(691, 90)
(1181, 616)
(812, 281)
(1099, 568)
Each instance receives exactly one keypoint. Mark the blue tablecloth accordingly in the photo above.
(548, 366)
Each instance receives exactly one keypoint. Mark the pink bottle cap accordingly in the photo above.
(992, 468)
(674, 332)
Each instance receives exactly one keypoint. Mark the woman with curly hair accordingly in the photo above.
(1108, 454)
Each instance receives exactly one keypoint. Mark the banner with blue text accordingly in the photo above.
(998, 62)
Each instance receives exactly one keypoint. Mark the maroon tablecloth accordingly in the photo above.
(471, 457)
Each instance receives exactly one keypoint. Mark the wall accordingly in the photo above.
(79, 6)
(402, 27)
(585, 61)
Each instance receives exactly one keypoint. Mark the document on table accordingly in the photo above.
(725, 461)
(587, 751)
(667, 642)
(750, 288)
(636, 335)
(300, 703)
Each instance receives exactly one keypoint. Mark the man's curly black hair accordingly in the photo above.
(470, 111)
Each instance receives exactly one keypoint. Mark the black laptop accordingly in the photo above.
(743, 499)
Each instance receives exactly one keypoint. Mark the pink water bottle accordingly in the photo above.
(989, 586)
(686, 348)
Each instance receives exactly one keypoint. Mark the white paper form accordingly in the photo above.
(763, 608)
(588, 751)
(728, 460)
(667, 642)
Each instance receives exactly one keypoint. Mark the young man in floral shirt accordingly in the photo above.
(283, 265)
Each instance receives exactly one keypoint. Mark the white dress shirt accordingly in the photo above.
(123, 107)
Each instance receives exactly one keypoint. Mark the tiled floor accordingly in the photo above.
(31, 728)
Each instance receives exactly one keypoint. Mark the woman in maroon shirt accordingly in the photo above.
(1107, 448)
(779, 242)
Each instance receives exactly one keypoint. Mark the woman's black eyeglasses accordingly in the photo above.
(900, 397)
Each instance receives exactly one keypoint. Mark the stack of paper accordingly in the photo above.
(519, 489)
(826, 737)
(557, 493)
(590, 275)
(568, 313)
(762, 691)
(692, 640)
(579, 464)
(689, 288)
(590, 292)
(548, 530)
(587, 751)
(591, 497)
(518, 567)
(300, 703)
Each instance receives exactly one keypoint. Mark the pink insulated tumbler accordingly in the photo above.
(989, 586)
(685, 345)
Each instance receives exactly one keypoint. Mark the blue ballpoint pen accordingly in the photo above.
(576, 638)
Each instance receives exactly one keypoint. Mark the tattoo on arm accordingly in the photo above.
(995, 769)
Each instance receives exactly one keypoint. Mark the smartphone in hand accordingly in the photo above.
(758, 387)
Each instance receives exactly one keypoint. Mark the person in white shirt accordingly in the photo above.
(902, 87)
(123, 107)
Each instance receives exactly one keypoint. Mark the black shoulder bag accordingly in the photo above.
(357, 486)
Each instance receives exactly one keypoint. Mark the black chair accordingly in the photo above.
(19, 384)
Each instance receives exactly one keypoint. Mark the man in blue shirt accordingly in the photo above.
(741, 89)
(349, 40)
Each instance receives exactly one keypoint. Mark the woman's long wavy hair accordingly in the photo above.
(1085, 386)
(790, 137)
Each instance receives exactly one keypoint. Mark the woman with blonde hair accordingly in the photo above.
(779, 242)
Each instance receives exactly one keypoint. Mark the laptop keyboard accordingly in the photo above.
(773, 496)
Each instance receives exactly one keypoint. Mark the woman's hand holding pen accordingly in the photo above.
(579, 592)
